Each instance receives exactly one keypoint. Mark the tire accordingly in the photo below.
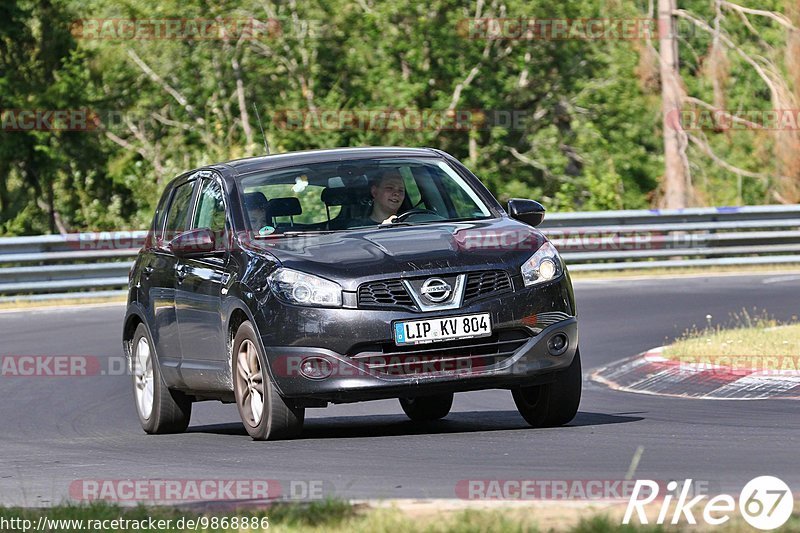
(160, 410)
(427, 408)
(552, 404)
(265, 414)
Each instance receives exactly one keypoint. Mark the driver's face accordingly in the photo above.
(389, 193)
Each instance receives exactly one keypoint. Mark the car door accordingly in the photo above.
(159, 270)
(198, 293)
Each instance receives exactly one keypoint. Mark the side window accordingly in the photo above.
(412, 191)
(210, 208)
(157, 227)
(462, 203)
(465, 205)
(179, 208)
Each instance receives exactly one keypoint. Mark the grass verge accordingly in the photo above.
(335, 516)
(789, 268)
(757, 342)
(37, 304)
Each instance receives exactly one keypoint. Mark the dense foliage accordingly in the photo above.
(587, 133)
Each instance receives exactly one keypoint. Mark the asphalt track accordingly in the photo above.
(55, 430)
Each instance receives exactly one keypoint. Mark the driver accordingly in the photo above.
(388, 193)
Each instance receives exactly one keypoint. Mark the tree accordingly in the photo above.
(676, 168)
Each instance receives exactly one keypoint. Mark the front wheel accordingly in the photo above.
(160, 410)
(265, 414)
(427, 408)
(552, 404)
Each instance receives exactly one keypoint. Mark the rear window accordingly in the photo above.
(313, 209)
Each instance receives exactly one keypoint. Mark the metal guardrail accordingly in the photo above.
(695, 237)
(97, 264)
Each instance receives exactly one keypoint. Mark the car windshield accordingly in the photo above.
(334, 196)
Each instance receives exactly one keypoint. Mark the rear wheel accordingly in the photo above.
(427, 408)
(265, 414)
(552, 404)
(160, 410)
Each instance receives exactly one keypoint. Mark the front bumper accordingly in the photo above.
(291, 334)
(351, 381)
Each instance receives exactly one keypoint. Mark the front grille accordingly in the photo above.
(462, 356)
(392, 294)
(383, 295)
(490, 282)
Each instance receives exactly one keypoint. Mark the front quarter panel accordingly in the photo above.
(248, 292)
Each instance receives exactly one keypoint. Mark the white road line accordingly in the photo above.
(576, 279)
(780, 279)
(637, 455)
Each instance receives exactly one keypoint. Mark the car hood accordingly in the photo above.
(352, 257)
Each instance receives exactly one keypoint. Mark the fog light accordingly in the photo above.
(316, 368)
(557, 344)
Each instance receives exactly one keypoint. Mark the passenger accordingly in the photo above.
(258, 217)
(255, 204)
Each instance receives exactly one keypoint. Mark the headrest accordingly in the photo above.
(255, 200)
(284, 207)
(336, 196)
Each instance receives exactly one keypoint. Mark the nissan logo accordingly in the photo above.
(436, 290)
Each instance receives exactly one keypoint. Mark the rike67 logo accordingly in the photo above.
(765, 503)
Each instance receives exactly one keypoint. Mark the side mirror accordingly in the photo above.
(200, 241)
(527, 211)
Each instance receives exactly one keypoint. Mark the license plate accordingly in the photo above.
(442, 329)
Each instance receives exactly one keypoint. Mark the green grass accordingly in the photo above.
(34, 304)
(750, 341)
(333, 516)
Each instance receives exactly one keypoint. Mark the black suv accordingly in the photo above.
(294, 280)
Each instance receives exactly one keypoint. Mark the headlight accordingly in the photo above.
(543, 266)
(304, 289)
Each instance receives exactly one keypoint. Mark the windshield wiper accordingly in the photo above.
(395, 224)
(294, 234)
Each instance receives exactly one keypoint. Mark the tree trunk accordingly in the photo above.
(676, 171)
(242, 100)
(4, 203)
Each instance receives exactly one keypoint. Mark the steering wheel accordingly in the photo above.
(415, 211)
